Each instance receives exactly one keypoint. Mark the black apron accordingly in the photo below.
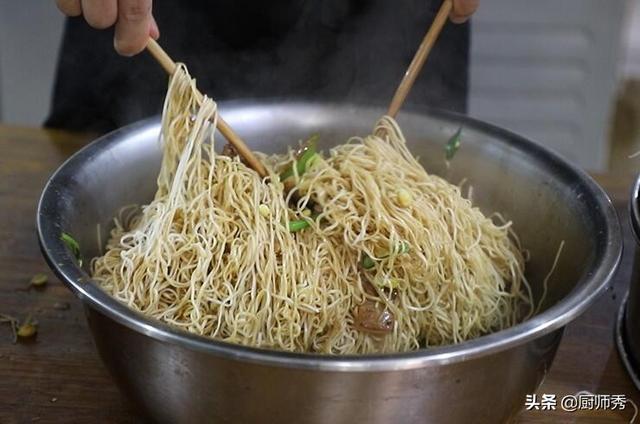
(353, 51)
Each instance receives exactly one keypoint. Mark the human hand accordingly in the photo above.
(133, 20)
(462, 10)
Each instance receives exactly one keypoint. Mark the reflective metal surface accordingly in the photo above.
(178, 377)
(628, 323)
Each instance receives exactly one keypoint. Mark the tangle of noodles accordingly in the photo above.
(212, 253)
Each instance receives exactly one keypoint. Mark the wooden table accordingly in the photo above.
(58, 377)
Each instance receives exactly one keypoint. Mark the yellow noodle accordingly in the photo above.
(202, 257)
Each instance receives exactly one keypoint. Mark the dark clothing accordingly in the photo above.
(353, 51)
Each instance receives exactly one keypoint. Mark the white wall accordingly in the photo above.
(631, 42)
(548, 69)
(30, 33)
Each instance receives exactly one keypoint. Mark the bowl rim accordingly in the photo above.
(634, 209)
(554, 318)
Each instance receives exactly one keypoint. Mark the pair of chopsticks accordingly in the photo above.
(396, 103)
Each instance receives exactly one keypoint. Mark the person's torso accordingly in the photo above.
(352, 51)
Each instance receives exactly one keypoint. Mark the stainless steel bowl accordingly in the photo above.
(176, 377)
(628, 322)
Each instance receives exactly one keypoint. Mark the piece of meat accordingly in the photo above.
(229, 150)
(373, 317)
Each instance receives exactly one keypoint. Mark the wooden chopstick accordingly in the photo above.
(420, 57)
(232, 137)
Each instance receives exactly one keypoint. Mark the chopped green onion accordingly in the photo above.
(400, 248)
(313, 159)
(39, 280)
(389, 282)
(72, 245)
(300, 224)
(27, 330)
(297, 225)
(453, 145)
(393, 283)
(305, 158)
(367, 262)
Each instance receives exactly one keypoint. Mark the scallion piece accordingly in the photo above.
(453, 145)
(297, 225)
(308, 152)
(400, 248)
(367, 262)
(73, 246)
